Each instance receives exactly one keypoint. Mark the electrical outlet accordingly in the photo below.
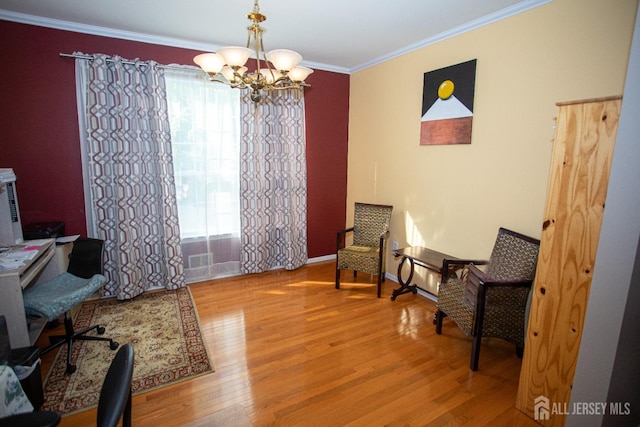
(395, 245)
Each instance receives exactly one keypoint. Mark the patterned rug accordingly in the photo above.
(163, 328)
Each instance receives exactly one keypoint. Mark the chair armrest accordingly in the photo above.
(346, 230)
(482, 279)
(383, 237)
(340, 237)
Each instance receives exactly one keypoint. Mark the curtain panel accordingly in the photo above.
(205, 138)
(128, 170)
(273, 182)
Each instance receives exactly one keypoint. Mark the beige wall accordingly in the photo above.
(454, 198)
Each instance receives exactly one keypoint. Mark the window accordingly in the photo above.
(205, 135)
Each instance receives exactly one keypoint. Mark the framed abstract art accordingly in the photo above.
(447, 105)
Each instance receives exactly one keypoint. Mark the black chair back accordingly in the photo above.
(115, 396)
(86, 257)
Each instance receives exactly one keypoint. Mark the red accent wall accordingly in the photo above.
(39, 128)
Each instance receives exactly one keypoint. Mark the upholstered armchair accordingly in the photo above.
(489, 298)
(367, 253)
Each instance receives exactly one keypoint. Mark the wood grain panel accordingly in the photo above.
(580, 165)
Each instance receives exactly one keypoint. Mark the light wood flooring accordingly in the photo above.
(291, 350)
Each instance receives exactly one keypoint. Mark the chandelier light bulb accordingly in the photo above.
(299, 73)
(235, 56)
(228, 73)
(212, 63)
(271, 75)
(284, 59)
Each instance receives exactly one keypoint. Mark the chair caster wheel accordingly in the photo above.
(100, 330)
(71, 369)
(113, 345)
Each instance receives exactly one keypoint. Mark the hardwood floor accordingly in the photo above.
(291, 350)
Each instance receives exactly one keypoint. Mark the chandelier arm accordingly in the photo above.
(290, 86)
(266, 76)
(264, 55)
(256, 31)
(241, 85)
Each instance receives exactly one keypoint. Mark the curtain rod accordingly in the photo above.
(90, 58)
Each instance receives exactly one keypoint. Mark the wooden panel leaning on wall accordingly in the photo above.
(579, 176)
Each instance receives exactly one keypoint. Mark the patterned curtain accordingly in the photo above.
(273, 182)
(128, 170)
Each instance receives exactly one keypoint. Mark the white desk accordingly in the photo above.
(12, 282)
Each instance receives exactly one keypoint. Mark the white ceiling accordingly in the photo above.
(334, 35)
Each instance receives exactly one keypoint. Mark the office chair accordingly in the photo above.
(114, 402)
(367, 253)
(57, 296)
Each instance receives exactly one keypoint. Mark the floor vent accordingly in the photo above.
(200, 260)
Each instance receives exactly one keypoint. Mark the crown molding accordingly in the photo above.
(207, 47)
(100, 31)
(132, 36)
(469, 26)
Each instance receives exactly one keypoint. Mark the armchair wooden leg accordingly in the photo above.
(438, 321)
(519, 352)
(337, 278)
(475, 352)
(380, 275)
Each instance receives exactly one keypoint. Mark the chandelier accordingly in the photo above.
(275, 70)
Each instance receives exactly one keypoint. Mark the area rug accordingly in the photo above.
(162, 326)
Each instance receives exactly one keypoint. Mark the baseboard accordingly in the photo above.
(321, 259)
(389, 276)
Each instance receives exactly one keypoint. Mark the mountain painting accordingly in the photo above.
(447, 105)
